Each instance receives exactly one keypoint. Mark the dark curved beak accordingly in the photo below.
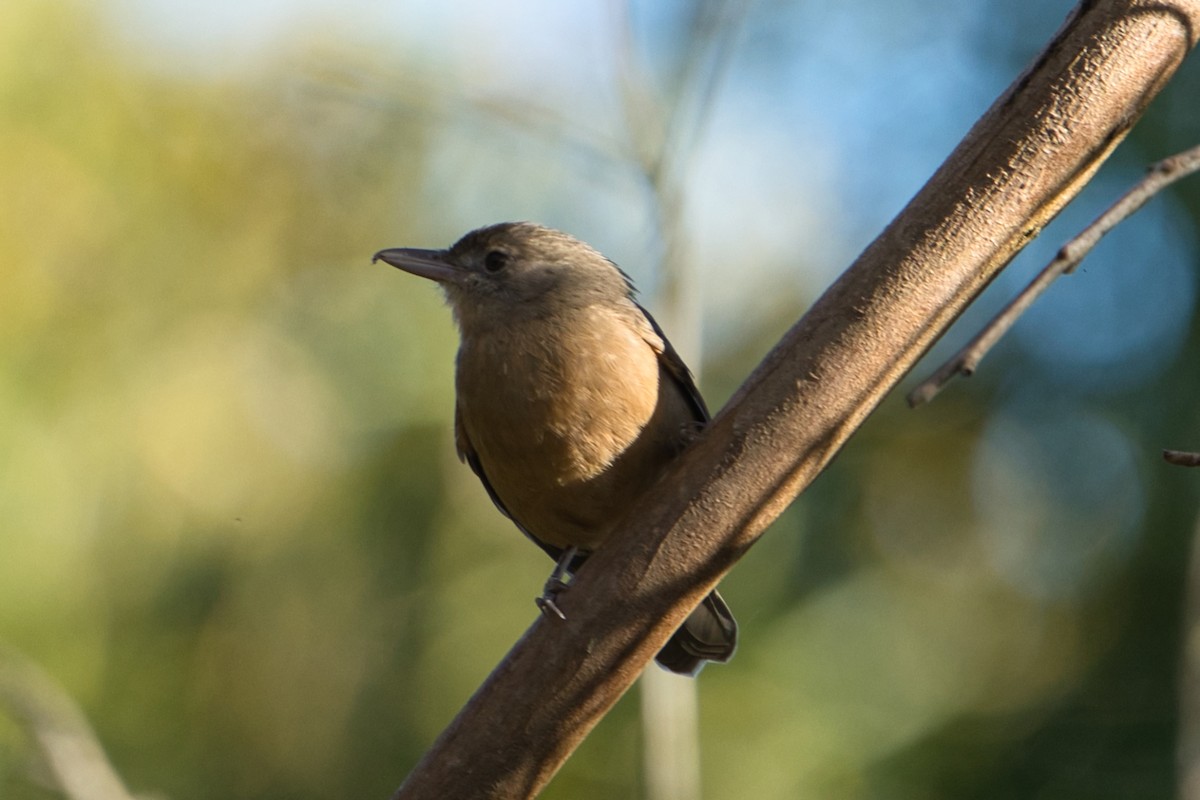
(430, 264)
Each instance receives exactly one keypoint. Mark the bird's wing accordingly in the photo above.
(467, 453)
(674, 366)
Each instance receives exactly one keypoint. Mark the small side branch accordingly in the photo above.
(1181, 458)
(965, 361)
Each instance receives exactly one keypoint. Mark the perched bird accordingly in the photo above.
(570, 400)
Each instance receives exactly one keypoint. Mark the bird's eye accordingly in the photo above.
(495, 261)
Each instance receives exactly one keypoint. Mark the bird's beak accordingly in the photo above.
(430, 264)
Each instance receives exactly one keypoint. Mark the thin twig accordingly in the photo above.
(964, 362)
(1182, 458)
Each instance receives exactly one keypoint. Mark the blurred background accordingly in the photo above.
(232, 525)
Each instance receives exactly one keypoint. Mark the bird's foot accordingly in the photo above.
(546, 601)
(556, 584)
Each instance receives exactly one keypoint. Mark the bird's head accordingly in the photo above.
(513, 270)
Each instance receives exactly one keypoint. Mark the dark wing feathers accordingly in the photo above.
(466, 452)
(678, 370)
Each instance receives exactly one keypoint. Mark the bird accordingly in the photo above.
(570, 401)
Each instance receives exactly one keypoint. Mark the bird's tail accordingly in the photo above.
(708, 634)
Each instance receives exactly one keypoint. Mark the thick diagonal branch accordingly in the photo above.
(1030, 153)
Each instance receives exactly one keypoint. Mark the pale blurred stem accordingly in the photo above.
(1182, 458)
(1030, 153)
(52, 719)
(663, 136)
(1188, 748)
(966, 360)
(665, 142)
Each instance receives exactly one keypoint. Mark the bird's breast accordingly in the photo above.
(567, 419)
(570, 396)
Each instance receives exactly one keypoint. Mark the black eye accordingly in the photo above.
(495, 261)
